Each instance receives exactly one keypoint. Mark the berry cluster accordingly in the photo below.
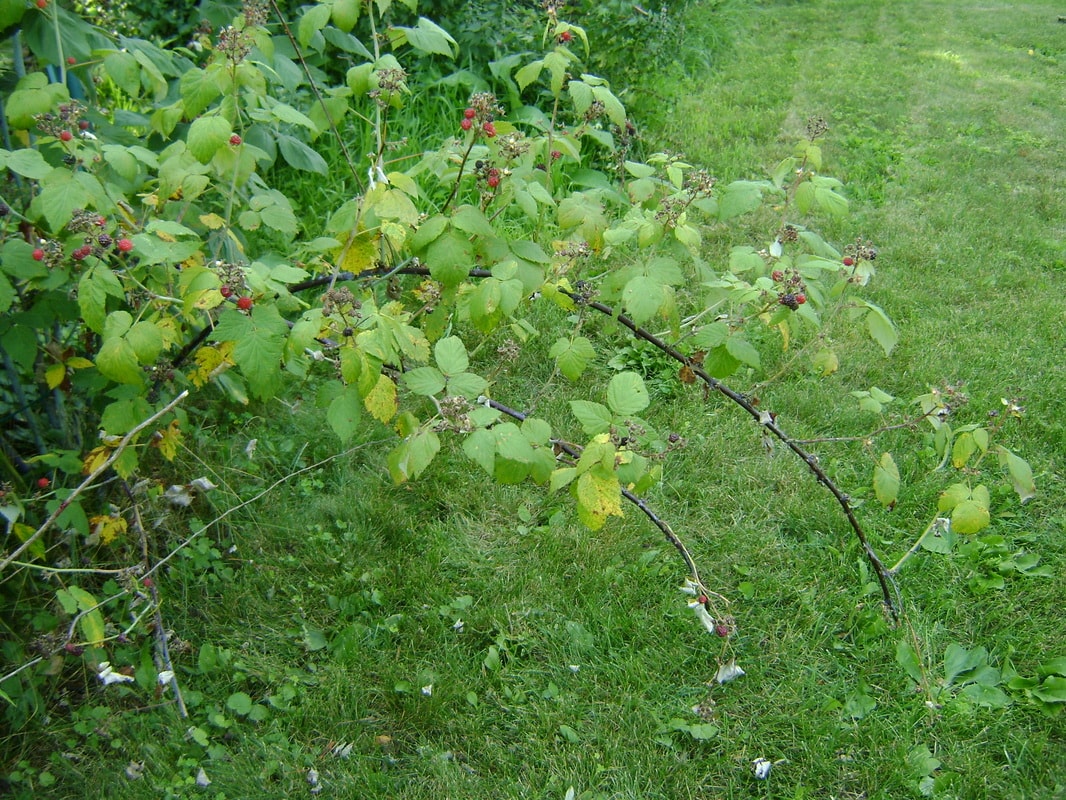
(792, 300)
(793, 290)
(481, 114)
(62, 124)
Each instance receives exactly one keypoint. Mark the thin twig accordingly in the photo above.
(162, 651)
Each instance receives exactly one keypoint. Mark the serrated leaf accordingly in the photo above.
(886, 480)
(467, 384)
(381, 400)
(449, 257)
(710, 336)
(572, 355)
(118, 361)
(743, 351)
(642, 297)
(450, 354)
(969, 517)
(511, 444)
(207, 135)
(344, 412)
(312, 22)
(598, 497)
(300, 155)
(626, 394)
(425, 381)
(595, 418)
(480, 446)
(410, 459)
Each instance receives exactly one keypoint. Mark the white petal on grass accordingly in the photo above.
(458, 626)
(108, 676)
(701, 612)
(203, 484)
(343, 750)
(761, 767)
(165, 677)
(427, 690)
(776, 248)
(201, 779)
(690, 587)
(135, 770)
(729, 671)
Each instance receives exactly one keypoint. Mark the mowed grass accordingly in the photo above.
(336, 600)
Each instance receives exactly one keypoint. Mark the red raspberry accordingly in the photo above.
(801, 299)
(565, 37)
(703, 599)
(244, 303)
(848, 261)
(777, 275)
(469, 113)
(493, 181)
(148, 582)
(43, 483)
(66, 136)
(42, 4)
(721, 630)
(556, 155)
(235, 140)
(71, 60)
(489, 128)
(225, 291)
(38, 254)
(466, 124)
(124, 245)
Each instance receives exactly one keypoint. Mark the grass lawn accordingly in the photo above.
(450, 639)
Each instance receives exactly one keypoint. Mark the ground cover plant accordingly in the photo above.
(329, 569)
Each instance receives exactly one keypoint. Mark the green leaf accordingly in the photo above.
(344, 412)
(970, 516)
(260, 343)
(626, 394)
(562, 477)
(425, 381)
(26, 162)
(886, 480)
(958, 661)
(312, 22)
(1051, 690)
(881, 328)
(207, 135)
(117, 360)
(594, 417)
(92, 621)
(413, 455)
(511, 444)
(572, 355)
(738, 198)
(710, 336)
(1056, 666)
(907, 658)
(429, 37)
(743, 351)
(239, 703)
(301, 156)
(643, 297)
(467, 384)
(1021, 474)
(450, 257)
(450, 353)
(480, 446)
(987, 696)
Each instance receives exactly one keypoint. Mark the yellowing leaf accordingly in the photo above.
(598, 498)
(54, 375)
(108, 527)
(96, 458)
(381, 401)
(360, 252)
(210, 361)
(213, 221)
(886, 480)
(167, 440)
